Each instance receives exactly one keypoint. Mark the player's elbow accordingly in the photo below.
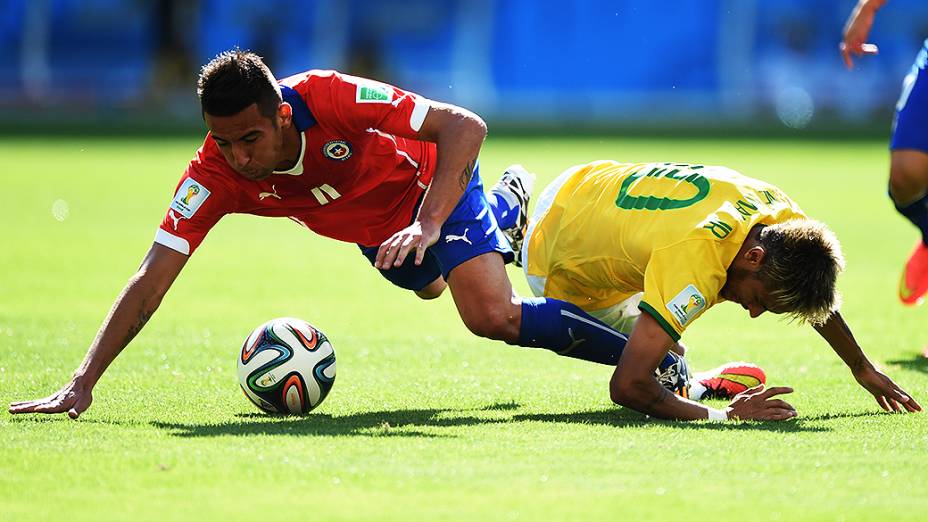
(628, 391)
(478, 126)
(470, 126)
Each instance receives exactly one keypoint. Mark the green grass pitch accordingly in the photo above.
(425, 421)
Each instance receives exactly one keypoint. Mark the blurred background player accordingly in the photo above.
(908, 173)
(672, 240)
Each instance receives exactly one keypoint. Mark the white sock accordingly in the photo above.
(697, 390)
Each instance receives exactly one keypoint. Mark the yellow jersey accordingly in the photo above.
(669, 230)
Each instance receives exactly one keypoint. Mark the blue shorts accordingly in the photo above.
(910, 127)
(469, 231)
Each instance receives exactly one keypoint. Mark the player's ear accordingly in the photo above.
(755, 256)
(284, 114)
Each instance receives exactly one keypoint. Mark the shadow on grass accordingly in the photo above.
(917, 363)
(423, 422)
(630, 419)
(848, 415)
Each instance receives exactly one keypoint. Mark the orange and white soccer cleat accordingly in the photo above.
(913, 285)
(726, 381)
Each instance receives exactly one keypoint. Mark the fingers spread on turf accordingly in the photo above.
(893, 404)
(24, 406)
(777, 403)
(776, 390)
(779, 414)
(882, 402)
(899, 395)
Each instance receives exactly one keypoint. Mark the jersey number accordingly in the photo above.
(628, 202)
(325, 190)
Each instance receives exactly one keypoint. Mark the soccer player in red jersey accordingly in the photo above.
(363, 162)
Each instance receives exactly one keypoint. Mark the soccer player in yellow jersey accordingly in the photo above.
(655, 245)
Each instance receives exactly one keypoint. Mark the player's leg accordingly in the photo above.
(433, 290)
(508, 200)
(472, 254)
(485, 300)
(908, 178)
(909, 190)
(424, 280)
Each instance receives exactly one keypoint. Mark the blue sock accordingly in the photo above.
(917, 213)
(506, 212)
(567, 330)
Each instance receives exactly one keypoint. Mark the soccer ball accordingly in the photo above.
(286, 366)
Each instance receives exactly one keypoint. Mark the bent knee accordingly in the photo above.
(499, 325)
(908, 176)
(433, 290)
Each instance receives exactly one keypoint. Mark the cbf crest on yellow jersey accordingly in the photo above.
(668, 229)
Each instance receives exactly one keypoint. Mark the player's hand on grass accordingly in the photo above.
(888, 394)
(856, 32)
(758, 404)
(74, 398)
(419, 236)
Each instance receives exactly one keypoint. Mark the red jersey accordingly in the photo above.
(360, 174)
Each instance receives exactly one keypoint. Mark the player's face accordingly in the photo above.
(742, 285)
(251, 143)
(749, 291)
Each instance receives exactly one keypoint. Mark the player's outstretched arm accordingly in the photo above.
(458, 134)
(857, 30)
(633, 384)
(132, 309)
(887, 393)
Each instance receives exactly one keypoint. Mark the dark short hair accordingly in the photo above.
(800, 269)
(234, 80)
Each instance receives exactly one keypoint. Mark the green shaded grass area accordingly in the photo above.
(425, 421)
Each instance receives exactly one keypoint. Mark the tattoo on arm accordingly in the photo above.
(467, 173)
(144, 316)
(661, 397)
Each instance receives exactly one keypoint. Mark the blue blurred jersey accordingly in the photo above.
(910, 127)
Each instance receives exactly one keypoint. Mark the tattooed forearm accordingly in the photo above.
(144, 316)
(659, 398)
(467, 174)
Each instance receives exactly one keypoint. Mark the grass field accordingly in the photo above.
(425, 422)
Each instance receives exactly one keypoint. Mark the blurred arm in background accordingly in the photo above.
(857, 29)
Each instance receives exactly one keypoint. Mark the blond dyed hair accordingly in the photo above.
(800, 269)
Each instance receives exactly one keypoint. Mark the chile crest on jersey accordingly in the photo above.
(338, 150)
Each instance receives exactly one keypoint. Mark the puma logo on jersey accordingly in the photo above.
(175, 217)
(463, 237)
(263, 195)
